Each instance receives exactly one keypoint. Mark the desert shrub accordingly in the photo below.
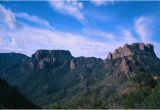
(144, 79)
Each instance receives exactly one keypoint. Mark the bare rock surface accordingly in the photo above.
(131, 50)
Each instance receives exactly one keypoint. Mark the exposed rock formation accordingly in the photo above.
(83, 62)
(131, 50)
(131, 58)
(49, 58)
(58, 74)
(40, 54)
(122, 67)
(72, 65)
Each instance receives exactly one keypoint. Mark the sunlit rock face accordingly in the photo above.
(131, 50)
(130, 58)
(57, 73)
(43, 59)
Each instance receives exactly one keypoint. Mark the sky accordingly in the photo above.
(85, 28)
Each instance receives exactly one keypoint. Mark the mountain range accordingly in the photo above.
(56, 79)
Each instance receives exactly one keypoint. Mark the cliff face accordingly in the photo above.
(44, 59)
(135, 57)
(131, 50)
(51, 76)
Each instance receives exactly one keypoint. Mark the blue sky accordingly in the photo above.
(86, 28)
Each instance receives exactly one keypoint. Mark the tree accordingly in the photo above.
(153, 100)
(144, 79)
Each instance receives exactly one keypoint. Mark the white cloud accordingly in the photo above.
(157, 48)
(124, 35)
(34, 19)
(128, 37)
(143, 27)
(51, 39)
(0, 41)
(101, 2)
(112, 40)
(69, 7)
(27, 39)
(7, 17)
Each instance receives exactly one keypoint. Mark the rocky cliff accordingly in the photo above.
(44, 59)
(131, 58)
(55, 76)
(133, 50)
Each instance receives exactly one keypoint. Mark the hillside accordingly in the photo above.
(11, 98)
(55, 78)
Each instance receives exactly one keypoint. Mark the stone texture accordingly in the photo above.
(43, 59)
(83, 62)
(58, 73)
(40, 54)
(72, 65)
(124, 67)
(131, 50)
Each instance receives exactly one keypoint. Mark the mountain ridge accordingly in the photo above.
(133, 49)
(137, 45)
(55, 76)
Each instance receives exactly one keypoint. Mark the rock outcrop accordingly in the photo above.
(40, 54)
(130, 58)
(83, 62)
(58, 74)
(131, 50)
(49, 58)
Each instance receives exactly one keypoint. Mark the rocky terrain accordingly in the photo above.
(55, 77)
(135, 57)
(133, 50)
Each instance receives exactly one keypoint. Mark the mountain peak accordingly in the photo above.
(49, 58)
(40, 54)
(133, 49)
(58, 73)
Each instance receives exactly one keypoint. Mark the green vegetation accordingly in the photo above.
(146, 95)
(146, 98)
(153, 100)
(144, 79)
(85, 101)
(11, 98)
(133, 100)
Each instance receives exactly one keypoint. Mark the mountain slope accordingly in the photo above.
(8, 61)
(10, 98)
(55, 76)
(135, 57)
